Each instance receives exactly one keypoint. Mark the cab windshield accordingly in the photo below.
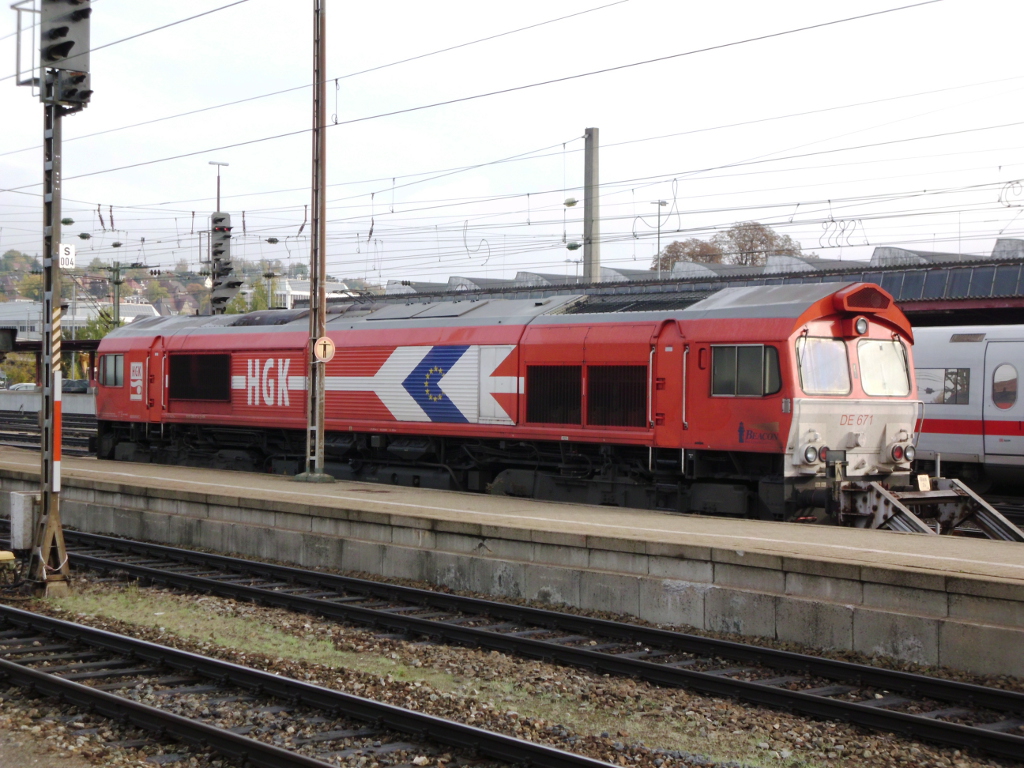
(824, 367)
(883, 367)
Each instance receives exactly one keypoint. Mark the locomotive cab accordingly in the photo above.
(782, 384)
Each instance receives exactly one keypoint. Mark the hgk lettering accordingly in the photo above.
(260, 384)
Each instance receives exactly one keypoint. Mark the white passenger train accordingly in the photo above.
(969, 380)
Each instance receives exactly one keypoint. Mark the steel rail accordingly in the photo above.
(196, 734)
(865, 714)
(19, 429)
(499, 747)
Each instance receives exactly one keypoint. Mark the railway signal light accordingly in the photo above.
(72, 88)
(225, 284)
(64, 40)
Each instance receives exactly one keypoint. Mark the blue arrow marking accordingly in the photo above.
(424, 384)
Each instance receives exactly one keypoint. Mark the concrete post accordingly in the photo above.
(591, 210)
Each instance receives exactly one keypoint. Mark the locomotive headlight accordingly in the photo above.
(897, 453)
(909, 453)
(861, 326)
(810, 454)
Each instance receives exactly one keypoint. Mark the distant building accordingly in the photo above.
(542, 278)
(397, 287)
(478, 283)
(887, 256)
(27, 316)
(782, 263)
(287, 291)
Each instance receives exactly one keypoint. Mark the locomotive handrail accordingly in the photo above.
(686, 359)
(650, 387)
(920, 420)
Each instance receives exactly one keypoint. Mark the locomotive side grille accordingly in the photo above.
(617, 395)
(554, 394)
(200, 377)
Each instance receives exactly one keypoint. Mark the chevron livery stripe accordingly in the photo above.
(424, 384)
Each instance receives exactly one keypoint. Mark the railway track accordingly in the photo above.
(1011, 507)
(932, 709)
(257, 718)
(20, 429)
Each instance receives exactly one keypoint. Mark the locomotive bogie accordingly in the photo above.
(727, 407)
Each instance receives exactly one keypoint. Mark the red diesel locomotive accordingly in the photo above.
(727, 406)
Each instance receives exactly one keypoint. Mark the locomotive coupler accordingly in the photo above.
(835, 475)
(828, 495)
(835, 478)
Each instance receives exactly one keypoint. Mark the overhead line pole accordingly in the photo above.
(48, 567)
(63, 36)
(315, 367)
(591, 209)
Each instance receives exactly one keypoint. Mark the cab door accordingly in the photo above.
(671, 361)
(155, 377)
(1004, 404)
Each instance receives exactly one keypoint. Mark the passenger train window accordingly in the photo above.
(823, 365)
(883, 368)
(112, 370)
(748, 371)
(1004, 386)
(944, 386)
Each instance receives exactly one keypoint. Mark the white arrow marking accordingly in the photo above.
(387, 383)
(491, 357)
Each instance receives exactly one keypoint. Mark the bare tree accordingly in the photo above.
(750, 243)
(694, 249)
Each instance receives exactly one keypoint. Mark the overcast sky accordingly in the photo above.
(833, 149)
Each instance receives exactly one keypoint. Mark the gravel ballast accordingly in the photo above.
(621, 721)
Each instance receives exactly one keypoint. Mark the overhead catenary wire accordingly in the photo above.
(531, 156)
(764, 207)
(310, 85)
(760, 206)
(137, 35)
(505, 91)
(403, 206)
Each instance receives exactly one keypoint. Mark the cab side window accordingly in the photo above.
(112, 370)
(747, 371)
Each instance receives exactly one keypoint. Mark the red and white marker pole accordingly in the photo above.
(58, 381)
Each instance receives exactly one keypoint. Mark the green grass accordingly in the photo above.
(642, 719)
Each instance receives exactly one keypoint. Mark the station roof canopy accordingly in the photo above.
(66, 345)
(932, 288)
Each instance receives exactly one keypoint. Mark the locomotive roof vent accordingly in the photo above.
(634, 303)
(270, 317)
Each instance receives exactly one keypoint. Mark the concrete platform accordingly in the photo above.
(949, 601)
